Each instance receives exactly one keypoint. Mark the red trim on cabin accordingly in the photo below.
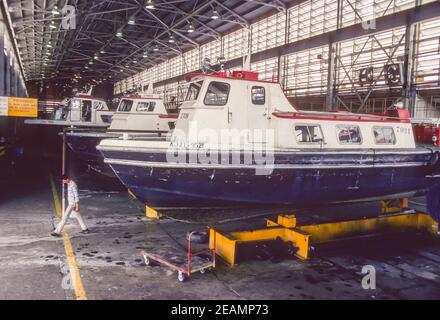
(171, 116)
(84, 96)
(140, 97)
(223, 75)
(339, 117)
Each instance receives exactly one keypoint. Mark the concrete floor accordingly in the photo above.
(34, 265)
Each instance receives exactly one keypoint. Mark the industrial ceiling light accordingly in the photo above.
(135, 61)
(55, 11)
(171, 39)
(150, 5)
(190, 28)
(96, 56)
(90, 62)
(52, 25)
(145, 55)
(49, 45)
(131, 21)
(156, 48)
(119, 33)
(215, 15)
(102, 51)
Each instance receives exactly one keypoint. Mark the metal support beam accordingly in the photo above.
(330, 104)
(8, 73)
(409, 88)
(2, 60)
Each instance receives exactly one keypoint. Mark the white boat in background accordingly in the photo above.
(82, 110)
(141, 115)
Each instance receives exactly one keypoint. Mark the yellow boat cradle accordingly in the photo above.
(393, 218)
(2, 151)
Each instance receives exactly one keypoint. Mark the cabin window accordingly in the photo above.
(384, 135)
(308, 133)
(193, 91)
(86, 109)
(145, 106)
(258, 95)
(125, 106)
(217, 94)
(348, 134)
(98, 105)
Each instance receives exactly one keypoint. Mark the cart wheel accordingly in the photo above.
(147, 261)
(203, 271)
(181, 277)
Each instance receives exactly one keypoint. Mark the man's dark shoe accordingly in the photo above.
(54, 234)
(85, 231)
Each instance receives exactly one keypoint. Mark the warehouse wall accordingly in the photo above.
(305, 73)
(11, 78)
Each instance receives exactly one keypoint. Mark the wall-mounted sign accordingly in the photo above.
(18, 107)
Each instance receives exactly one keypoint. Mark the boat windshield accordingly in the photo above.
(193, 91)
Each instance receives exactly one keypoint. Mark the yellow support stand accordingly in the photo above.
(392, 219)
(151, 213)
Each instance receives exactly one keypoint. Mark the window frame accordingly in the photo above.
(384, 127)
(131, 107)
(309, 125)
(201, 82)
(227, 97)
(252, 96)
(148, 106)
(349, 143)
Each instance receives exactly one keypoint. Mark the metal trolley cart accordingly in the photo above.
(183, 264)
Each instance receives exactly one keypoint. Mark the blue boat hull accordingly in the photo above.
(85, 148)
(298, 179)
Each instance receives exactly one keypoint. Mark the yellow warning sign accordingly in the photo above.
(22, 107)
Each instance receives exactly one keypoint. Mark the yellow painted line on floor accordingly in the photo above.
(73, 267)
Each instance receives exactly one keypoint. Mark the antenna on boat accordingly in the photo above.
(90, 90)
(149, 88)
(247, 62)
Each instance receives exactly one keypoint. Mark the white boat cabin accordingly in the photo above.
(81, 110)
(242, 103)
(142, 113)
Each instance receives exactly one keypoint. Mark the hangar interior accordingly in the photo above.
(329, 59)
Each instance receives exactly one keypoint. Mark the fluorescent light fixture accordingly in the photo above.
(171, 39)
(150, 4)
(52, 25)
(102, 51)
(119, 34)
(190, 28)
(55, 11)
(215, 15)
(145, 55)
(156, 48)
(49, 45)
(131, 21)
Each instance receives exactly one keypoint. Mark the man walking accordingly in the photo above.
(73, 205)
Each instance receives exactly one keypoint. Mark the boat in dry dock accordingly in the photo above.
(81, 110)
(141, 115)
(239, 142)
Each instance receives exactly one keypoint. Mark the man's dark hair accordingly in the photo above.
(65, 177)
